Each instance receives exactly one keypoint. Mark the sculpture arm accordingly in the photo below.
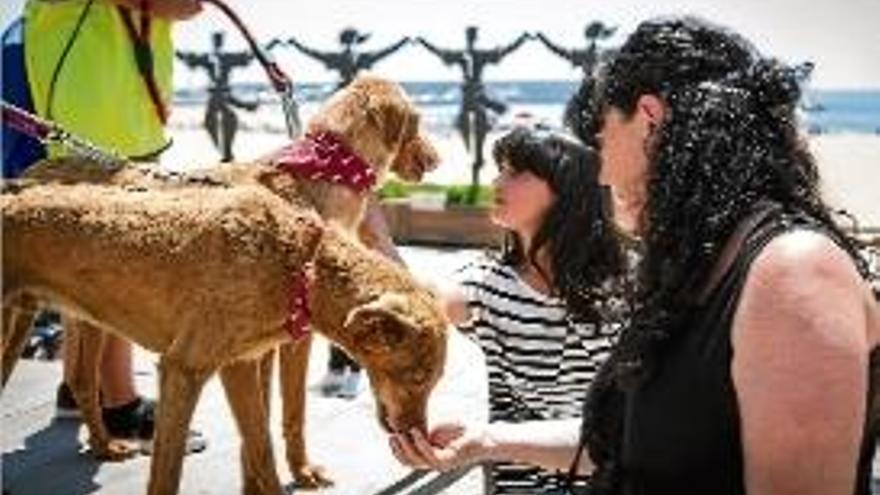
(553, 47)
(324, 57)
(192, 60)
(239, 59)
(372, 58)
(448, 56)
(273, 44)
(500, 53)
(250, 106)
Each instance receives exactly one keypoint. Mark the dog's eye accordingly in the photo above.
(413, 125)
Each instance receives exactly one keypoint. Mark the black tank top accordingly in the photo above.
(681, 433)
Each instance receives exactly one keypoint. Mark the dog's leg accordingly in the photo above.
(85, 346)
(19, 311)
(294, 364)
(250, 481)
(179, 390)
(241, 379)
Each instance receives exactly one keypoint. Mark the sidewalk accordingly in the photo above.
(42, 456)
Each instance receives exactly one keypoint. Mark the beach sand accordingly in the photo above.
(849, 163)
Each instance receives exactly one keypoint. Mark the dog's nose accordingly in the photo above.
(386, 424)
(430, 157)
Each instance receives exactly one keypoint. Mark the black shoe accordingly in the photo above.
(65, 404)
(136, 421)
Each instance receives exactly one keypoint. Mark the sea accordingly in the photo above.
(823, 111)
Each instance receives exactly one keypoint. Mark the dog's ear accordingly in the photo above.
(388, 114)
(381, 325)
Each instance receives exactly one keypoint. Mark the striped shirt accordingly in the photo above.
(540, 361)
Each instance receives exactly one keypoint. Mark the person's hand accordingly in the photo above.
(178, 10)
(448, 446)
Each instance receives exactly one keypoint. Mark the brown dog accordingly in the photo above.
(376, 121)
(371, 116)
(203, 276)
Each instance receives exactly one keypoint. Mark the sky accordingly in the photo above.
(842, 37)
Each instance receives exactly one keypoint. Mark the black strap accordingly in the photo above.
(64, 53)
(143, 55)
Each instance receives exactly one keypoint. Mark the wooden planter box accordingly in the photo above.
(453, 225)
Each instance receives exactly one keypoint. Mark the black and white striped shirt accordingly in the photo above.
(539, 360)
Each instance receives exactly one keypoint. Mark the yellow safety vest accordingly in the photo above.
(99, 93)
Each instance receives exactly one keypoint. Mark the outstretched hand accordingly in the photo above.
(448, 446)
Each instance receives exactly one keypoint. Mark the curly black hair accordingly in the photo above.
(584, 255)
(729, 141)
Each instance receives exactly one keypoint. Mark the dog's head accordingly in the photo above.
(402, 344)
(375, 118)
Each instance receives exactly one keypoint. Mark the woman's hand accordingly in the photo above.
(178, 10)
(448, 446)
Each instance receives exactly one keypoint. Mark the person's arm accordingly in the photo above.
(800, 363)
(374, 232)
(373, 57)
(551, 444)
(553, 47)
(178, 10)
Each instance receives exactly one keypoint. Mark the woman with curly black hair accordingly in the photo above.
(750, 363)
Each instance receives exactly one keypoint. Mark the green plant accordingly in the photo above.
(456, 194)
(468, 196)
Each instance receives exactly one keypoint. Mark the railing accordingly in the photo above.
(414, 484)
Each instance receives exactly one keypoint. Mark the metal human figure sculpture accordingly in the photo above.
(220, 120)
(473, 117)
(350, 60)
(584, 58)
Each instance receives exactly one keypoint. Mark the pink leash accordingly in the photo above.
(51, 133)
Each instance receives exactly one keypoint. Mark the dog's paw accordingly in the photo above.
(312, 476)
(114, 450)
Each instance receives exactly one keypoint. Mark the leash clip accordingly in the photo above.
(291, 112)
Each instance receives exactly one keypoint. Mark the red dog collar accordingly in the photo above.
(298, 304)
(322, 156)
(298, 312)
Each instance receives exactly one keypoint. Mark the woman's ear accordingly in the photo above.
(651, 110)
